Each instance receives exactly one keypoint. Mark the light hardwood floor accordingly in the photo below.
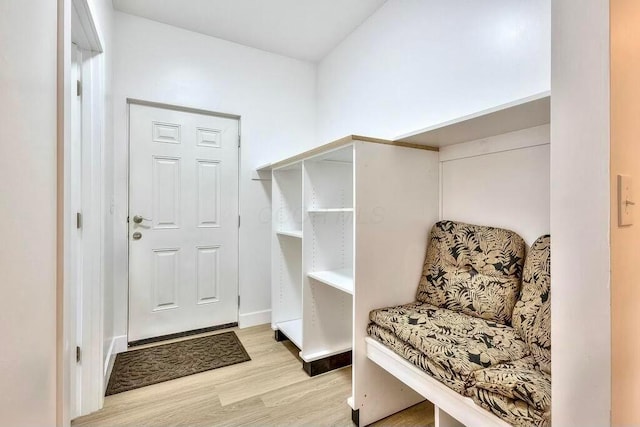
(270, 390)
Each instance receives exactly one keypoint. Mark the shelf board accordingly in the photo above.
(293, 330)
(329, 210)
(520, 114)
(321, 354)
(339, 143)
(291, 233)
(339, 279)
(350, 402)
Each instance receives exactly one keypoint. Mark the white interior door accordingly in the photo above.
(183, 221)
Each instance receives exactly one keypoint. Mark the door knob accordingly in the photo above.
(137, 235)
(139, 218)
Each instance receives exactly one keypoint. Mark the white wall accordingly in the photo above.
(580, 307)
(501, 181)
(274, 95)
(415, 63)
(28, 171)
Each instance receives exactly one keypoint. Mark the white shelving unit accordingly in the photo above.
(350, 220)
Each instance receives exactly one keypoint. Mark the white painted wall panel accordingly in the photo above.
(509, 189)
(580, 214)
(28, 209)
(415, 63)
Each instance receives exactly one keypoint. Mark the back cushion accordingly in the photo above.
(473, 269)
(532, 313)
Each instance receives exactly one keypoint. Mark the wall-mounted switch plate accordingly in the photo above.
(626, 203)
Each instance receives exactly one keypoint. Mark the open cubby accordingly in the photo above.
(329, 182)
(287, 275)
(287, 201)
(327, 326)
(286, 266)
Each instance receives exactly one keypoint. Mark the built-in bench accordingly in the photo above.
(477, 342)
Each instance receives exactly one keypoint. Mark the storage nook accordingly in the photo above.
(351, 221)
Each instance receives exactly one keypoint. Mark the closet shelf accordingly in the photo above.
(330, 210)
(340, 279)
(517, 115)
(290, 233)
(293, 330)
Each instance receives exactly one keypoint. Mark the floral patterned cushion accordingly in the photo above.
(455, 342)
(473, 269)
(520, 380)
(417, 358)
(514, 411)
(532, 313)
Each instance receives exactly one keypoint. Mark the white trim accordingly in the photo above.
(525, 138)
(246, 320)
(82, 307)
(457, 406)
(83, 28)
(64, 371)
(118, 345)
(107, 359)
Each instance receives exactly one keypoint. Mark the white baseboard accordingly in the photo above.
(255, 318)
(118, 345)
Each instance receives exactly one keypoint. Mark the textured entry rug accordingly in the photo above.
(138, 368)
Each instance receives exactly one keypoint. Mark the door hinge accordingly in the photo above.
(239, 141)
(238, 221)
(238, 301)
(78, 88)
(78, 354)
(78, 220)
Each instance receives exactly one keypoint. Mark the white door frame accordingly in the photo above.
(185, 109)
(81, 304)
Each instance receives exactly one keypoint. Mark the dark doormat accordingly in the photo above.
(139, 368)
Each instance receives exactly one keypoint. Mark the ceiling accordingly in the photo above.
(302, 29)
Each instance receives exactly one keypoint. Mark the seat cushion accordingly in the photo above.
(416, 357)
(532, 313)
(518, 380)
(473, 269)
(457, 343)
(514, 411)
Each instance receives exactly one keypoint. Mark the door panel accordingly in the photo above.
(183, 184)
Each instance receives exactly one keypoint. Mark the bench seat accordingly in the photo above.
(481, 325)
(453, 344)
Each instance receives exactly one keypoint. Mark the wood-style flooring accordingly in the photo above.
(270, 390)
